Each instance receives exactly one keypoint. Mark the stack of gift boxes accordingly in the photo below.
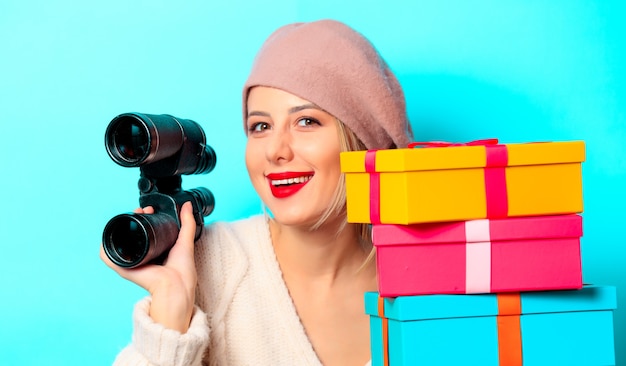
(478, 255)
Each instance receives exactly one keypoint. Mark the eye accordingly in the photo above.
(258, 127)
(307, 122)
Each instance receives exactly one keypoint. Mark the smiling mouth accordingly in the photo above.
(286, 184)
(288, 181)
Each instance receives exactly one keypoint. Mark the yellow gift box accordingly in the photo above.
(455, 182)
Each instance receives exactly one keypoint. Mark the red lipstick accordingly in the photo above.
(286, 184)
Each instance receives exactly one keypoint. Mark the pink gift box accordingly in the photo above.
(479, 256)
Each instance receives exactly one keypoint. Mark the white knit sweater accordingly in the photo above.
(244, 314)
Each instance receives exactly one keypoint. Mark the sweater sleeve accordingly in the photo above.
(156, 345)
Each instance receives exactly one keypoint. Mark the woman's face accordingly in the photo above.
(292, 155)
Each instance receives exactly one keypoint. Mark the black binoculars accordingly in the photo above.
(163, 147)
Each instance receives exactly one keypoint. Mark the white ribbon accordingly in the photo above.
(477, 257)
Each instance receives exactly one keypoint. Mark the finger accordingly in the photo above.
(187, 224)
(145, 210)
(186, 236)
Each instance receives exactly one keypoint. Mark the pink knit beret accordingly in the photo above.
(338, 69)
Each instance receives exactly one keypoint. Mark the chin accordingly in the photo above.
(295, 219)
(289, 220)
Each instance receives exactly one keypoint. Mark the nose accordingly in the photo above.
(279, 147)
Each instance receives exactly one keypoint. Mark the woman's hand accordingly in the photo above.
(173, 284)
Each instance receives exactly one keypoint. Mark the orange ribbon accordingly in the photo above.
(385, 328)
(509, 329)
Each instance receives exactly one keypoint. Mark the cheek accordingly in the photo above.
(325, 157)
(329, 154)
(324, 146)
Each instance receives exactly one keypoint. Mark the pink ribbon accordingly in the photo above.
(495, 176)
(495, 181)
(484, 142)
(370, 167)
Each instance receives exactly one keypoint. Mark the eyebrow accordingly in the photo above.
(258, 113)
(290, 111)
(304, 106)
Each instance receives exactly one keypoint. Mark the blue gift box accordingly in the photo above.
(566, 327)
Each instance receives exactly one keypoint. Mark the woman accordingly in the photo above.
(285, 288)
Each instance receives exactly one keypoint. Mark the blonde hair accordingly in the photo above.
(348, 141)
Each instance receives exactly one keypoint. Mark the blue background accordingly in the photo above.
(516, 70)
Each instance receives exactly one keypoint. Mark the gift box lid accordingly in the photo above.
(471, 156)
(515, 228)
(424, 307)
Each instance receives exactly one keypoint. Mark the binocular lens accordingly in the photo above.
(131, 140)
(125, 240)
(131, 240)
(128, 140)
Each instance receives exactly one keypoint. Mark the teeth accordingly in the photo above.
(291, 180)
